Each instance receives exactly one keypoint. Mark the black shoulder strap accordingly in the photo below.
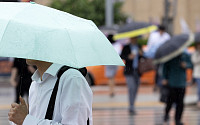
(50, 109)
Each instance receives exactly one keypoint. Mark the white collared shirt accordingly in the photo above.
(155, 41)
(196, 64)
(73, 104)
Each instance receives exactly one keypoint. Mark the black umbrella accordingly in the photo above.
(134, 29)
(197, 37)
(173, 47)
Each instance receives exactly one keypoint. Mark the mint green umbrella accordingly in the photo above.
(33, 31)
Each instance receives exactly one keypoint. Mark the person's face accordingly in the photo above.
(31, 62)
(134, 40)
(161, 32)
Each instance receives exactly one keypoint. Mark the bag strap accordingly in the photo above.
(50, 109)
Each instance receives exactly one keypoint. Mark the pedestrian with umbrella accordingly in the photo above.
(111, 70)
(60, 45)
(132, 53)
(196, 65)
(21, 77)
(155, 40)
(175, 62)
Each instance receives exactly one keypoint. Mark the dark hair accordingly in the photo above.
(161, 27)
(110, 38)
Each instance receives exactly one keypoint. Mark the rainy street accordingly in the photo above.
(113, 111)
(100, 62)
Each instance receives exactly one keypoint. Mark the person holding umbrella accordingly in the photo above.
(174, 75)
(131, 54)
(111, 70)
(21, 77)
(74, 97)
(155, 40)
(60, 45)
(176, 61)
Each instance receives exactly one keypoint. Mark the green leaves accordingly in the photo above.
(90, 9)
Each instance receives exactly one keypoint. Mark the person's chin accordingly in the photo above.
(29, 61)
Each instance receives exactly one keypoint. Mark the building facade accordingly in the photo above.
(153, 11)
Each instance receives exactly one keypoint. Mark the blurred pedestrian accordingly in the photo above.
(174, 75)
(156, 39)
(110, 70)
(196, 69)
(21, 77)
(131, 54)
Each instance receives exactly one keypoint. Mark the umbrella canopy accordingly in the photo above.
(172, 48)
(33, 31)
(134, 29)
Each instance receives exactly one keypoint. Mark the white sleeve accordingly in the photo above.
(168, 37)
(75, 104)
(11, 123)
(150, 41)
(195, 58)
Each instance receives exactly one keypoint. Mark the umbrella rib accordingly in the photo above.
(72, 46)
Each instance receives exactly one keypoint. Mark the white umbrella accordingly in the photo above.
(33, 31)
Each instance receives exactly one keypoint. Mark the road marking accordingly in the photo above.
(110, 104)
(125, 104)
(3, 107)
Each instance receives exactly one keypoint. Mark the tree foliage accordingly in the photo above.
(90, 9)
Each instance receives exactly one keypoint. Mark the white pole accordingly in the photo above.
(109, 13)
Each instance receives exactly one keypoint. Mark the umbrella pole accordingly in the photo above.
(21, 78)
(20, 88)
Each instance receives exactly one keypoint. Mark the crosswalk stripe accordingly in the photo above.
(125, 104)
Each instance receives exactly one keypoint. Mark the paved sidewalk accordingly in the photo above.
(109, 111)
(113, 111)
(145, 98)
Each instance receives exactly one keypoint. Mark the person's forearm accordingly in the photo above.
(13, 76)
(13, 73)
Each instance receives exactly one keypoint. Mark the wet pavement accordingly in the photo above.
(113, 110)
(148, 116)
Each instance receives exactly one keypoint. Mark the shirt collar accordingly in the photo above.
(52, 70)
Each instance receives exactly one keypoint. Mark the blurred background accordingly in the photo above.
(110, 105)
